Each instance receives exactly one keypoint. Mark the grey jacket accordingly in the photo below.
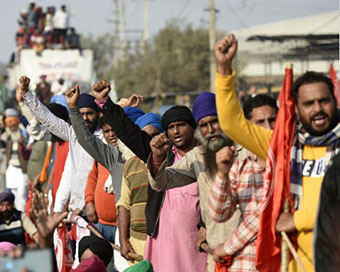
(106, 155)
(185, 171)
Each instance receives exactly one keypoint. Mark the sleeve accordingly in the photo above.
(91, 184)
(231, 118)
(179, 174)
(101, 152)
(247, 230)
(125, 196)
(221, 203)
(37, 131)
(28, 225)
(26, 111)
(55, 125)
(130, 134)
(327, 231)
(64, 189)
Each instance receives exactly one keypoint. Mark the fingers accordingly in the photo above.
(160, 140)
(225, 154)
(24, 81)
(100, 86)
(75, 90)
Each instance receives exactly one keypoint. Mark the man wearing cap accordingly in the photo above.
(79, 162)
(134, 195)
(16, 158)
(90, 246)
(197, 164)
(179, 216)
(14, 223)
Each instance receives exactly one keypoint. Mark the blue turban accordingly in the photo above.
(150, 119)
(204, 105)
(61, 100)
(133, 113)
(87, 101)
(7, 196)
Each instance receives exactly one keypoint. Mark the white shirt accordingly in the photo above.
(78, 163)
(61, 19)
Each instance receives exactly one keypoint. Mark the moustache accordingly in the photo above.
(319, 114)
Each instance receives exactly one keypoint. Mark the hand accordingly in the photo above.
(21, 140)
(44, 222)
(24, 82)
(76, 212)
(91, 212)
(133, 101)
(225, 51)
(218, 253)
(285, 223)
(200, 238)
(101, 89)
(72, 96)
(18, 95)
(125, 248)
(224, 161)
(160, 145)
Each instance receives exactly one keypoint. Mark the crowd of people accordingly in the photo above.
(40, 29)
(183, 190)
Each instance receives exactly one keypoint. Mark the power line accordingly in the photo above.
(183, 8)
(236, 15)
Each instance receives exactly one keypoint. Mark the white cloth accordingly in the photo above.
(61, 19)
(16, 181)
(78, 163)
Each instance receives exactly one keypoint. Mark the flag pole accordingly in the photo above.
(284, 244)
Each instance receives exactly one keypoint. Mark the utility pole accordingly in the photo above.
(146, 24)
(212, 41)
(116, 35)
(123, 27)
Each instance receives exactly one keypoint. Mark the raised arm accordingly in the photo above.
(101, 152)
(162, 178)
(55, 125)
(252, 137)
(129, 133)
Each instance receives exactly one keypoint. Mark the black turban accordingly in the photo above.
(176, 114)
(7, 196)
(98, 246)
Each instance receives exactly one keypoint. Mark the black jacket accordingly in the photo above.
(327, 230)
(139, 143)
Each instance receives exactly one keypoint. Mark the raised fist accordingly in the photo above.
(160, 145)
(225, 51)
(72, 95)
(101, 89)
(224, 161)
(24, 82)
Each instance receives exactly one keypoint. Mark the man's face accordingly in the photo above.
(6, 210)
(13, 127)
(264, 116)
(151, 130)
(109, 134)
(316, 108)
(210, 134)
(90, 117)
(181, 134)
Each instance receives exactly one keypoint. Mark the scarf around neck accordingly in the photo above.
(331, 140)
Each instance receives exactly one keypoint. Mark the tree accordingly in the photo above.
(176, 61)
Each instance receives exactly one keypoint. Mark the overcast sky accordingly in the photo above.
(93, 16)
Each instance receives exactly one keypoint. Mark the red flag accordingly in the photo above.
(277, 176)
(336, 83)
(62, 248)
